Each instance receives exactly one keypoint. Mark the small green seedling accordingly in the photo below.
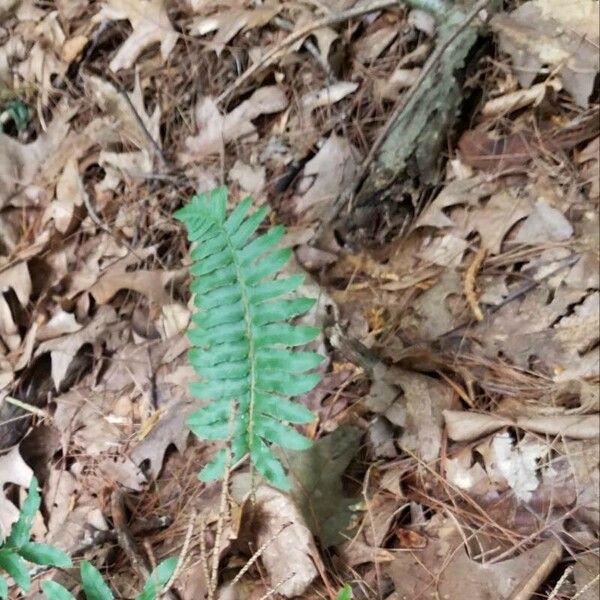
(18, 547)
(95, 587)
(345, 593)
(243, 338)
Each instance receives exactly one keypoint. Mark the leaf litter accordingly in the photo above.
(451, 453)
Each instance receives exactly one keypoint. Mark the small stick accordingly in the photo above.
(560, 583)
(586, 587)
(271, 592)
(184, 550)
(124, 536)
(203, 553)
(26, 406)
(126, 541)
(257, 554)
(469, 283)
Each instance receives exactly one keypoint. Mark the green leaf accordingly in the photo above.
(261, 245)
(280, 382)
(158, 579)
(3, 588)
(345, 593)
(15, 566)
(44, 554)
(271, 312)
(269, 265)
(268, 465)
(286, 360)
(271, 289)
(20, 531)
(94, 586)
(276, 433)
(282, 408)
(55, 591)
(284, 334)
(215, 468)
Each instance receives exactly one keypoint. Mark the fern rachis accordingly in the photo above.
(242, 338)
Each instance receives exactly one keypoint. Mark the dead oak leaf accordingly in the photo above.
(561, 35)
(215, 130)
(227, 24)
(150, 23)
(150, 283)
(324, 177)
(69, 195)
(112, 102)
(288, 543)
(444, 568)
(64, 348)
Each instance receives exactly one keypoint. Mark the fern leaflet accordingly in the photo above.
(242, 338)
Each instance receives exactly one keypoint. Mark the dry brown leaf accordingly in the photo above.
(13, 469)
(327, 96)
(64, 348)
(370, 46)
(150, 23)
(444, 567)
(112, 102)
(414, 402)
(324, 177)
(544, 224)
(228, 23)
(215, 130)
(69, 195)
(20, 164)
(170, 429)
(287, 558)
(586, 571)
(150, 283)
(467, 426)
(122, 165)
(561, 35)
(251, 179)
(43, 62)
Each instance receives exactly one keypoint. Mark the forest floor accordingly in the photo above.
(457, 434)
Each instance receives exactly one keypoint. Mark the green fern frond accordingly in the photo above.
(242, 338)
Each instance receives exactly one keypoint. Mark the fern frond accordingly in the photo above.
(242, 338)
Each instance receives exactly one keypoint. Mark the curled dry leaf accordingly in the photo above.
(150, 283)
(444, 565)
(228, 23)
(64, 348)
(467, 426)
(327, 96)
(150, 23)
(325, 176)
(69, 195)
(289, 543)
(215, 130)
(13, 469)
(43, 62)
(563, 36)
(112, 102)
(22, 164)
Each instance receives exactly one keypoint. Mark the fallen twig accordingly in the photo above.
(469, 283)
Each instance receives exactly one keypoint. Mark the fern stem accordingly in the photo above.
(251, 355)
